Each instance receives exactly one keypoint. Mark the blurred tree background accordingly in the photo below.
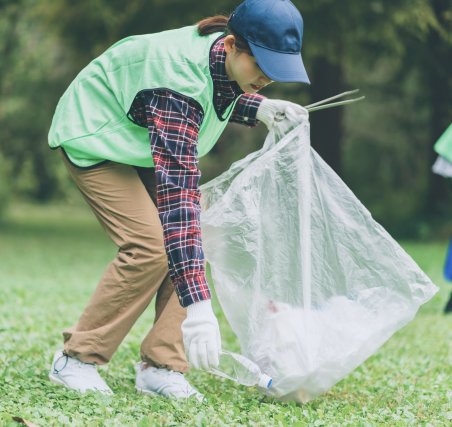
(398, 52)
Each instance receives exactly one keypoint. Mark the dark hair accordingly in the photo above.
(216, 24)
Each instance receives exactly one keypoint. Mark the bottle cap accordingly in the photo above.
(264, 381)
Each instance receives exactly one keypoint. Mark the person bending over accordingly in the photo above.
(130, 129)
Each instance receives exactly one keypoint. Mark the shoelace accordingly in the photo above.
(176, 377)
(88, 368)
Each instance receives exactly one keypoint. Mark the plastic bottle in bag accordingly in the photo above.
(240, 369)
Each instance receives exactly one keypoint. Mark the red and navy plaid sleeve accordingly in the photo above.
(246, 109)
(173, 123)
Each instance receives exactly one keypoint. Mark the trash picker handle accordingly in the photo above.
(330, 99)
(321, 107)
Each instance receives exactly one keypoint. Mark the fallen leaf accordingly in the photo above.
(21, 420)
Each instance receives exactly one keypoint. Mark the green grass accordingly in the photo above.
(50, 262)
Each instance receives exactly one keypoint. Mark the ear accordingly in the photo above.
(229, 44)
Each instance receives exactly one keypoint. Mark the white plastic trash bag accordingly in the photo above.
(310, 283)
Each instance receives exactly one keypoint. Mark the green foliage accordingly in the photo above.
(33, 74)
(52, 259)
(397, 52)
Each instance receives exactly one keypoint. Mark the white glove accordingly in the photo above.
(201, 335)
(269, 107)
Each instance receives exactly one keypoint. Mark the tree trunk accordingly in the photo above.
(440, 79)
(326, 125)
(47, 183)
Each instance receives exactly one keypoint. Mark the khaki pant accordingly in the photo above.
(124, 200)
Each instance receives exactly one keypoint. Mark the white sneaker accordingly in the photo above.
(162, 382)
(75, 374)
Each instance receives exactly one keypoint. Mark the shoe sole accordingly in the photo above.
(144, 391)
(153, 393)
(61, 382)
(56, 380)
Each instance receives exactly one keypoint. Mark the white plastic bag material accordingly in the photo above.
(309, 282)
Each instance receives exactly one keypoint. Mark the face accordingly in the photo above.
(243, 68)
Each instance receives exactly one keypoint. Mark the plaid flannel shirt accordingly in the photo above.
(174, 123)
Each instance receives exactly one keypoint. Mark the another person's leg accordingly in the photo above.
(448, 308)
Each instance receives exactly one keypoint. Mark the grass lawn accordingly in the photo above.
(50, 262)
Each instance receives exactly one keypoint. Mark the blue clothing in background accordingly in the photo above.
(448, 263)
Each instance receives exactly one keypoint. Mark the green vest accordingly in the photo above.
(91, 120)
(444, 144)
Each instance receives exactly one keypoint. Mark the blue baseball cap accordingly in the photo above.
(273, 29)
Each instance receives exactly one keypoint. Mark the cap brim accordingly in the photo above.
(280, 67)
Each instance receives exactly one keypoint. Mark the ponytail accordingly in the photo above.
(214, 24)
(219, 23)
